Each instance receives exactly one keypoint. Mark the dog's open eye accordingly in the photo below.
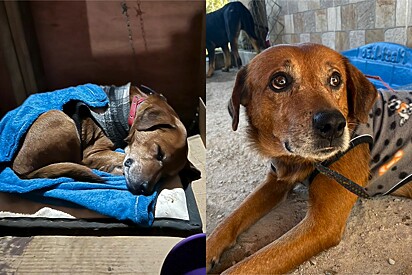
(279, 82)
(335, 80)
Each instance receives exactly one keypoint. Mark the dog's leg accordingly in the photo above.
(254, 44)
(107, 161)
(211, 53)
(267, 195)
(329, 207)
(98, 149)
(404, 191)
(235, 51)
(233, 26)
(52, 132)
(65, 169)
(228, 58)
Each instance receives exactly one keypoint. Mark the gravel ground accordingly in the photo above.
(378, 237)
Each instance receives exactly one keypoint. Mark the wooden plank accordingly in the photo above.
(197, 155)
(94, 255)
(12, 249)
(32, 46)
(10, 56)
(20, 46)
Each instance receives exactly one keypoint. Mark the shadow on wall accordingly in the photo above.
(156, 43)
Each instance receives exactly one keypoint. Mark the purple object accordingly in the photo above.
(187, 257)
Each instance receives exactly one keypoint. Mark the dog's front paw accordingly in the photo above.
(212, 257)
(117, 170)
(214, 249)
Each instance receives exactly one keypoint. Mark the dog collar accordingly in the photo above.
(132, 114)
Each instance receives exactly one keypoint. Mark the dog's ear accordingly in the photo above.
(188, 174)
(240, 95)
(153, 119)
(361, 93)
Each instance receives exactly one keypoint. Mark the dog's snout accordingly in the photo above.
(143, 189)
(329, 124)
(128, 162)
(139, 189)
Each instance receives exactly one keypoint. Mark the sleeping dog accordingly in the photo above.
(73, 141)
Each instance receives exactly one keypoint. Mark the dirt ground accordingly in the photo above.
(378, 237)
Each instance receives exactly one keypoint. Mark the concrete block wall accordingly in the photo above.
(345, 24)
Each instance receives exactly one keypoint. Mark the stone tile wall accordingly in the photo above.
(345, 24)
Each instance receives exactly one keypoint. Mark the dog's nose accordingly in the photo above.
(143, 189)
(128, 162)
(329, 124)
(139, 189)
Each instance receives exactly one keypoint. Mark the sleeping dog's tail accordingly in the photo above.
(65, 169)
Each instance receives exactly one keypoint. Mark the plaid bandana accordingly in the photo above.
(113, 120)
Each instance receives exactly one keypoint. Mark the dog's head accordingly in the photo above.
(157, 145)
(301, 100)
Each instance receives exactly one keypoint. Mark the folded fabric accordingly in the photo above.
(110, 198)
(16, 122)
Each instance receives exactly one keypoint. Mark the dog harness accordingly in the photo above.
(391, 128)
(113, 120)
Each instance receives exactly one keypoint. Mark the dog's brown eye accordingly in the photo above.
(335, 80)
(279, 82)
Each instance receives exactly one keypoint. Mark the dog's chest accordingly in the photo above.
(390, 125)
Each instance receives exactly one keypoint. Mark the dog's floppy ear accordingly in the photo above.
(153, 119)
(361, 93)
(239, 96)
(188, 174)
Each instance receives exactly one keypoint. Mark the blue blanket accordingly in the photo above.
(110, 198)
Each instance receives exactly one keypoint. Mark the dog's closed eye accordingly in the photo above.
(160, 155)
(159, 126)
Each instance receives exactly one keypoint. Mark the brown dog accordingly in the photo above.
(156, 146)
(303, 103)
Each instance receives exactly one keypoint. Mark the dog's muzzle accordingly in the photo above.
(134, 182)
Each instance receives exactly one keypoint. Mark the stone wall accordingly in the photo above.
(345, 24)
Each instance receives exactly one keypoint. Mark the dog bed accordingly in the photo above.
(111, 204)
(175, 213)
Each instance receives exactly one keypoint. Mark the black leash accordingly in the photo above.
(339, 178)
(343, 181)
